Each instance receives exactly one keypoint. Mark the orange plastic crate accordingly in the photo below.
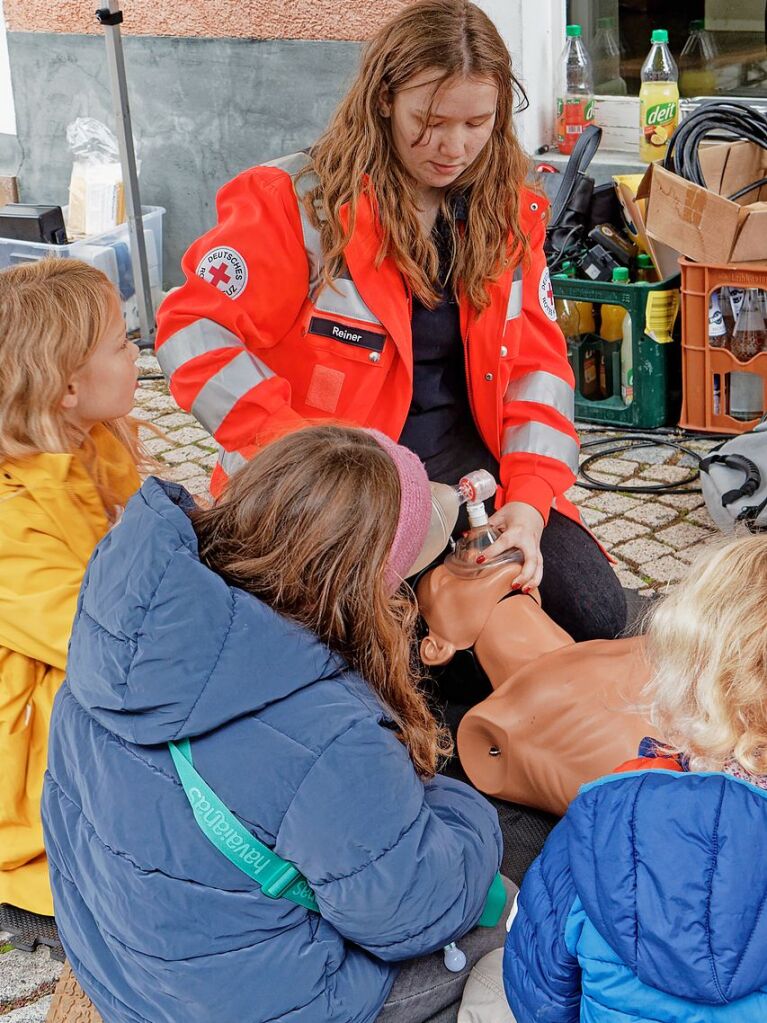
(701, 362)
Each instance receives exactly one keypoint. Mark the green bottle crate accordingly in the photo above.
(657, 365)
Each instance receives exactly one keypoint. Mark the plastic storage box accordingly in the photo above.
(109, 252)
(656, 363)
(706, 370)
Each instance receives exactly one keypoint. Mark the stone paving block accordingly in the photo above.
(689, 554)
(613, 504)
(155, 445)
(175, 419)
(665, 473)
(209, 460)
(664, 570)
(700, 517)
(652, 514)
(578, 495)
(628, 579)
(614, 467)
(24, 973)
(641, 550)
(143, 413)
(683, 534)
(680, 500)
(37, 1012)
(646, 456)
(592, 516)
(187, 453)
(189, 435)
(197, 485)
(184, 471)
(619, 531)
(607, 478)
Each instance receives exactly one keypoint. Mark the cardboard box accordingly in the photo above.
(702, 223)
(666, 259)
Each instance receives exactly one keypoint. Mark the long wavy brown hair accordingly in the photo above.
(307, 526)
(455, 39)
(52, 315)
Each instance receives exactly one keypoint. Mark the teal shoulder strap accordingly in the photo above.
(276, 877)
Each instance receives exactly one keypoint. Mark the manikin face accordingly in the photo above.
(105, 387)
(459, 127)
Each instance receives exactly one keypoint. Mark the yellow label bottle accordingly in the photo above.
(658, 99)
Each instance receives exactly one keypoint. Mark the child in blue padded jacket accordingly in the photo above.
(648, 903)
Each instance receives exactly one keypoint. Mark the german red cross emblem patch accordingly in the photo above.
(225, 269)
(546, 295)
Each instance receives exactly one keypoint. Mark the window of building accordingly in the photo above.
(719, 45)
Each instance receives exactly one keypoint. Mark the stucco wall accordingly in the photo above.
(202, 111)
(255, 19)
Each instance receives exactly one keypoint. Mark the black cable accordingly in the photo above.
(632, 442)
(722, 120)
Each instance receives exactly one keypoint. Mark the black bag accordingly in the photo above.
(571, 212)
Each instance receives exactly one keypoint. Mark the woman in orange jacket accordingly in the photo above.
(394, 277)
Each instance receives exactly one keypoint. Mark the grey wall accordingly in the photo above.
(202, 109)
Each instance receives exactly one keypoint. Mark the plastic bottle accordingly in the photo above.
(611, 333)
(658, 99)
(606, 59)
(612, 315)
(627, 361)
(750, 334)
(718, 335)
(748, 339)
(575, 101)
(696, 73)
(646, 272)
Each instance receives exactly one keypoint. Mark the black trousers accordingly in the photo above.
(579, 589)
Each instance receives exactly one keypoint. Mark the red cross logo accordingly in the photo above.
(550, 292)
(218, 275)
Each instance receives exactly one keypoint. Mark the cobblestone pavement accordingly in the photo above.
(653, 538)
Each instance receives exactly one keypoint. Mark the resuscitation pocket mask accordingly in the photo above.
(733, 478)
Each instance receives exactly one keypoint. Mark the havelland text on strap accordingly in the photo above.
(276, 877)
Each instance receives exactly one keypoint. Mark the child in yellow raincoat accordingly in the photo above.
(68, 463)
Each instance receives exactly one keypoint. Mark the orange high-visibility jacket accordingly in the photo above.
(254, 343)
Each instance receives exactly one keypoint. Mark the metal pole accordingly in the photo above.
(111, 17)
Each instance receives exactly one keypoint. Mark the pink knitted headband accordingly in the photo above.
(414, 510)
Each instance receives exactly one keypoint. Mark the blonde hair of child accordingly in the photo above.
(708, 645)
(52, 315)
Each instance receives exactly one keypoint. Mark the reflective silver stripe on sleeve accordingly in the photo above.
(231, 461)
(198, 338)
(221, 392)
(539, 439)
(293, 165)
(514, 308)
(545, 389)
(345, 301)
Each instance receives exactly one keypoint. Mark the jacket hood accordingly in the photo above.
(162, 647)
(669, 869)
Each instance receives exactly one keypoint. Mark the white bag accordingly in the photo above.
(734, 481)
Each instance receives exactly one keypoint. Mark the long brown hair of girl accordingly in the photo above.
(455, 39)
(307, 527)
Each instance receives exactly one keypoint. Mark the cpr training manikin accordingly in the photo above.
(561, 713)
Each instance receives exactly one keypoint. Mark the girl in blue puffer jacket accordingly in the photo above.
(648, 903)
(271, 633)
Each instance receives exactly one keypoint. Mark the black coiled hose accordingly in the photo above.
(726, 120)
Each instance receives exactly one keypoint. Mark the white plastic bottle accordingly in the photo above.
(575, 98)
(658, 99)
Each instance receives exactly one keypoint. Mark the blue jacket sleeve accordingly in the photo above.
(398, 866)
(541, 977)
